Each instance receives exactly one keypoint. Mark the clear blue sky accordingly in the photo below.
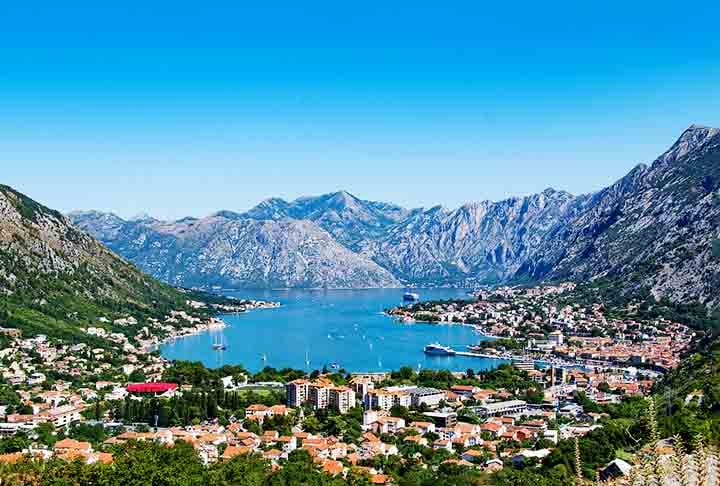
(185, 108)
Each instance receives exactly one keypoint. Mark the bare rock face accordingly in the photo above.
(230, 251)
(657, 228)
(487, 241)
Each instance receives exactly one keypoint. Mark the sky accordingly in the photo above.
(184, 108)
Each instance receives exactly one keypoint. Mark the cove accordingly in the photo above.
(316, 328)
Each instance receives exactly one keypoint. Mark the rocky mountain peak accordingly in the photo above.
(695, 137)
(143, 218)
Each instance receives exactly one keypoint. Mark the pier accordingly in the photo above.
(588, 364)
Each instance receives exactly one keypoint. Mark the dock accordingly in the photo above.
(546, 362)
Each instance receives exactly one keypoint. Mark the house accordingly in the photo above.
(388, 425)
(65, 445)
(493, 465)
(288, 443)
(442, 444)
(385, 400)
(62, 415)
(464, 390)
(615, 469)
(260, 412)
(273, 455)
(232, 451)
(423, 427)
(334, 468)
(416, 439)
(442, 419)
(493, 428)
(379, 479)
(472, 455)
(522, 456)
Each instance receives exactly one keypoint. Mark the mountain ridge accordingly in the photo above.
(548, 235)
(56, 279)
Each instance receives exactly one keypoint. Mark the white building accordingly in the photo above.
(556, 338)
(510, 407)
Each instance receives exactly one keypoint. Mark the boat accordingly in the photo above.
(436, 349)
(411, 297)
(476, 348)
(335, 366)
(219, 345)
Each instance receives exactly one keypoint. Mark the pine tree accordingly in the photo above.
(578, 464)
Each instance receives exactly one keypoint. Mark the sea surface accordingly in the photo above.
(316, 328)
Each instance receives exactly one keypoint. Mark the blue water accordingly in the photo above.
(346, 327)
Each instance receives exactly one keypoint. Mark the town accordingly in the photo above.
(533, 323)
(79, 401)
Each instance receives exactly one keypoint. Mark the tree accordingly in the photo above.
(248, 470)
(604, 387)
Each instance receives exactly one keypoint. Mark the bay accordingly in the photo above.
(345, 327)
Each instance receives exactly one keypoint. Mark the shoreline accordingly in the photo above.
(215, 324)
(476, 327)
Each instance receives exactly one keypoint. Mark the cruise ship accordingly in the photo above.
(436, 349)
(411, 297)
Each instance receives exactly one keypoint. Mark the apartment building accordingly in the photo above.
(362, 386)
(385, 400)
(63, 415)
(319, 394)
(427, 396)
(297, 392)
(341, 398)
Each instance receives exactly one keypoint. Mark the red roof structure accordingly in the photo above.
(151, 387)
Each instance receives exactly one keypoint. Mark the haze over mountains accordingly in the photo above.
(658, 224)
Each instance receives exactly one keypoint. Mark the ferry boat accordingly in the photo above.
(436, 349)
(411, 297)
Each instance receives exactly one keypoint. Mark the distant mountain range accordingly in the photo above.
(659, 225)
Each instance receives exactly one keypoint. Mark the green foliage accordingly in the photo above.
(15, 443)
(555, 476)
(89, 282)
(95, 434)
(200, 404)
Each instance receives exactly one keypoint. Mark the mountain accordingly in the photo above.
(230, 251)
(486, 241)
(656, 228)
(54, 278)
(346, 217)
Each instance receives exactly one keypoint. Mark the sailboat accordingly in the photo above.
(219, 345)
